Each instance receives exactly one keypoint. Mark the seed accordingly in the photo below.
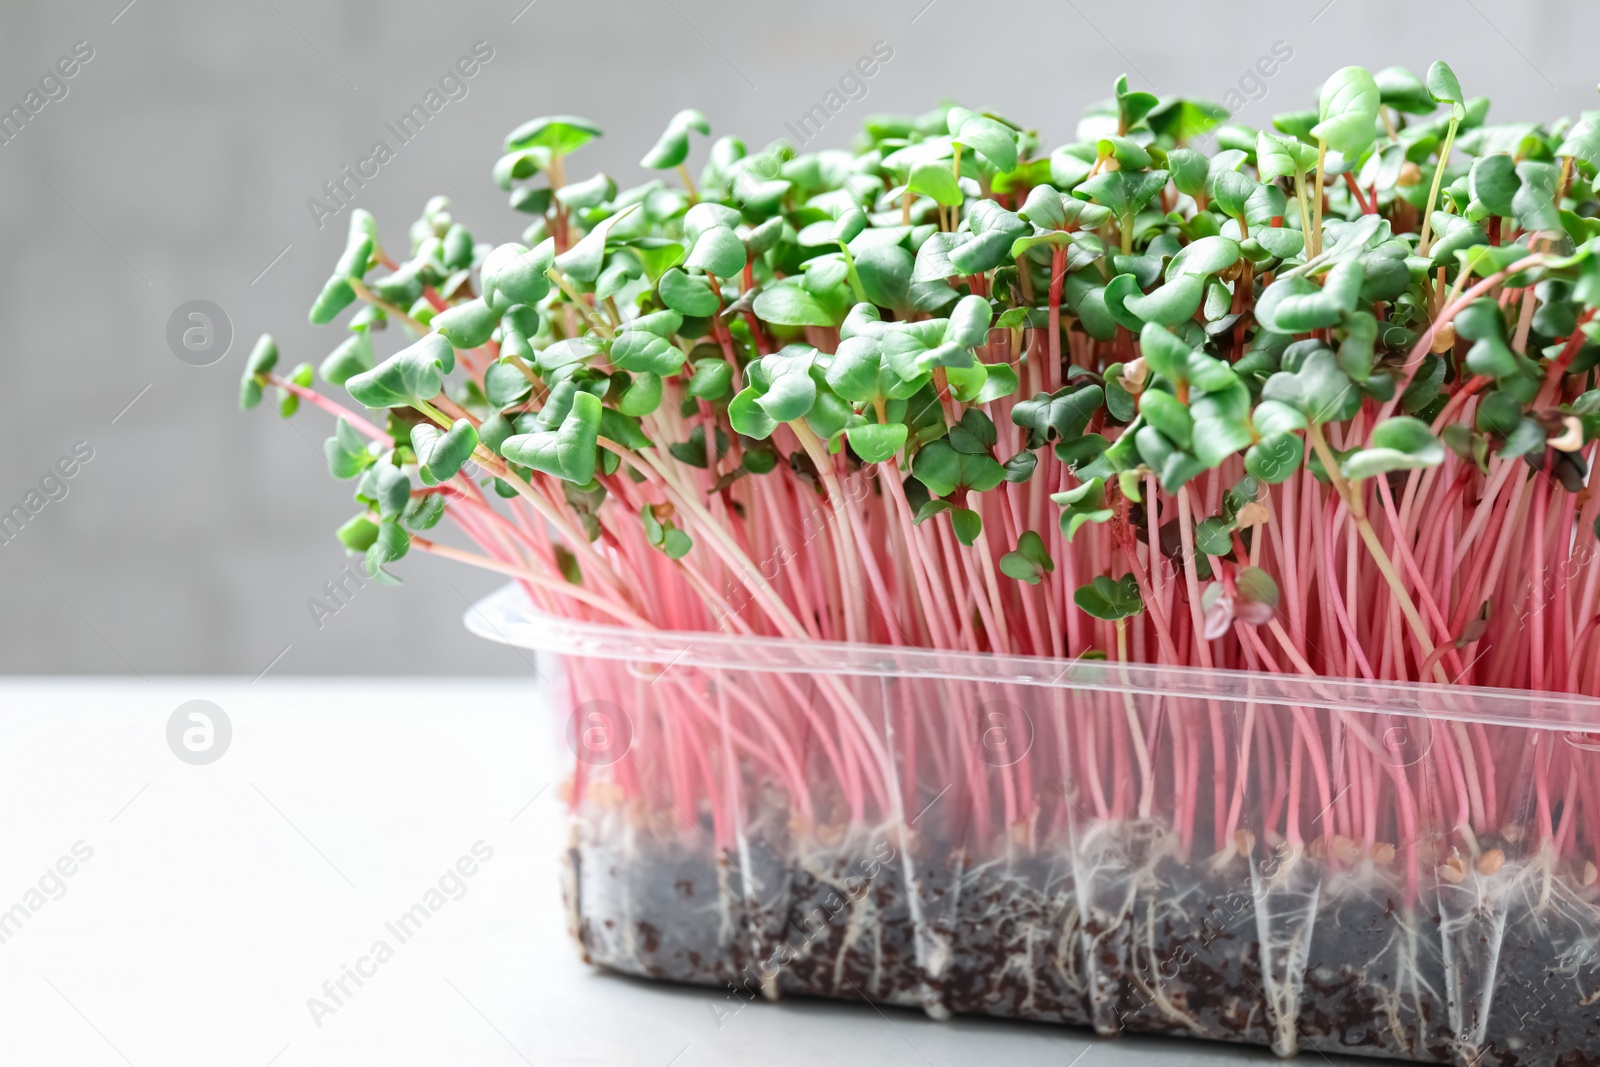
(1244, 842)
(1346, 850)
(605, 794)
(1571, 439)
(1383, 854)
(1590, 873)
(1443, 338)
(1452, 870)
(1134, 373)
(1491, 861)
(1252, 514)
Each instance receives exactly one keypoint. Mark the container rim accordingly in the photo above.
(509, 617)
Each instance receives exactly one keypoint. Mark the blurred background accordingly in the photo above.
(176, 163)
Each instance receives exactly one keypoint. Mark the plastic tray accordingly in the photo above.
(1395, 870)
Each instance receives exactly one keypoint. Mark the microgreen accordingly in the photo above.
(962, 363)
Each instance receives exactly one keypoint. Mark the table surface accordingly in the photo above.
(211, 911)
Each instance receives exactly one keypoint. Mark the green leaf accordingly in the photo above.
(624, 430)
(1124, 193)
(1231, 191)
(336, 295)
(1404, 91)
(636, 350)
(1204, 257)
(1110, 600)
(1356, 351)
(440, 454)
(1444, 88)
(641, 396)
(493, 431)
(706, 216)
(356, 258)
(994, 230)
(1281, 241)
(885, 273)
(402, 288)
(1347, 111)
(1296, 304)
(409, 376)
(711, 379)
(969, 322)
(1132, 107)
(466, 325)
(690, 295)
(567, 452)
(1189, 171)
(391, 543)
(1170, 304)
(1050, 209)
(353, 356)
(583, 261)
(1534, 203)
(968, 524)
(1318, 389)
(718, 251)
(423, 512)
(358, 534)
(1493, 181)
(673, 146)
(392, 490)
(1582, 141)
(1000, 380)
(1282, 157)
(1482, 323)
(787, 303)
(263, 357)
(516, 166)
(347, 452)
(940, 467)
(1164, 412)
(1455, 234)
(513, 274)
(1085, 503)
(781, 385)
(1398, 443)
(561, 134)
(937, 182)
(1030, 562)
(1212, 536)
(1184, 120)
(590, 193)
(994, 141)
(913, 349)
(1275, 457)
(877, 442)
(693, 451)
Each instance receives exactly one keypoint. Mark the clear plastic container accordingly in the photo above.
(1395, 870)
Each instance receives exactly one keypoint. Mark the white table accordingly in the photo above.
(218, 899)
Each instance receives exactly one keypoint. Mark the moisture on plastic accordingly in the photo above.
(1396, 870)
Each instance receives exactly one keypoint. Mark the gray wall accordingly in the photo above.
(178, 166)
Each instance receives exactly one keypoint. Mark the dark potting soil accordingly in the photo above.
(1155, 946)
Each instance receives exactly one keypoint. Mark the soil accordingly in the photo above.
(1118, 935)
